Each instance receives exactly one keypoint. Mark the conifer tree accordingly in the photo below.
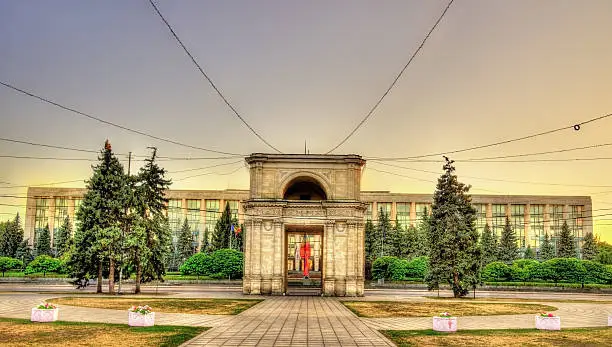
(223, 230)
(455, 256)
(151, 243)
(589, 247)
(372, 246)
(566, 247)
(422, 232)
(547, 249)
(206, 245)
(63, 242)
(385, 231)
(184, 244)
(508, 248)
(102, 211)
(11, 237)
(43, 244)
(490, 246)
(529, 253)
(24, 253)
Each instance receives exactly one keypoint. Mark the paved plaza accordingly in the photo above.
(302, 321)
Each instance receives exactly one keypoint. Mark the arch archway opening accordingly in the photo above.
(304, 188)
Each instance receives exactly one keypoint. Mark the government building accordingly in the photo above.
(304, 218)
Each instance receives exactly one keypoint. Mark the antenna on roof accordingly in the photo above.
(304, 146)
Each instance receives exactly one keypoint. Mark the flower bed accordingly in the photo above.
(445, 322)
(141, 316)
(44, 313)
(548, 321)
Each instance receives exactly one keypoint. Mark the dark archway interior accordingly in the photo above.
(304, 188)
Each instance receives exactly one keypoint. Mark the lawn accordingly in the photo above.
(390, 309)
(513, 337)
(167, 305)
(569, 301)
(21, 332)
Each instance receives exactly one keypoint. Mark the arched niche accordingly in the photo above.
(304, 188)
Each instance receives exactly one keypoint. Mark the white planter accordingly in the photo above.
(42, 315)
(141, 320)
(610, 321)
(446, 324)
(548, 323)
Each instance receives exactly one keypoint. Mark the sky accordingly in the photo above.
(309, 72)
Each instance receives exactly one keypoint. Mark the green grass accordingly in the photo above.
(507, 337)
(22, 332)
(34, 275)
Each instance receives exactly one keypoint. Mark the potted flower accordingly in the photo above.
(445, 322)
(548, 321)
(44, 312)
(141, 316)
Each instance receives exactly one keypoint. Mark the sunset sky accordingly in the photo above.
(310, 71)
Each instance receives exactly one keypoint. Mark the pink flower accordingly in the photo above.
(550, 315)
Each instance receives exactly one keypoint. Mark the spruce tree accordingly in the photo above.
(455, 256)
(529, 253)
(223, 230)
(490, 246)
(63, 242)
(589, 247)
(566, 247)
(547, 249)
(151, 245)
(11, 237)
(43, 244)
(102, 211)
(184, 247)
(385, 231)
(372, 246)
(206, 245)
(24, 253)
(508, 248)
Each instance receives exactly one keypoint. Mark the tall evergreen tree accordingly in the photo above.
(24, 253)
(206, 245)
(422, 233)
(589, 247)
(529, 253)
(490, 246)
(566, 247)
(372, 247)
(43, 244)
(385, 231)
(63, 242)
(223, 230)
(100, 214)
(547, 249)
(508, 247)
(455, 256)
(155, 234)
(184, 244)
(11, 237)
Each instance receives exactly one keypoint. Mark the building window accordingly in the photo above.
(175, 217)
(499, 218)
(517, 217)
(369, 212)
(212, 215)
(556, 219)
(77, 205)
(385, 207)
(481, 217)
(576, 220)
(422, 209)
(193, 216)
(61, 211)
(233, 205)
(41, 219)
(403, 214)
(536, 225)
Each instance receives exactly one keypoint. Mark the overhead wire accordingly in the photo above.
(399, 75)
(132, 130)
(212, 84)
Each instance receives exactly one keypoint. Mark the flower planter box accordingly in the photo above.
(610, 321)
(548, 323)
(44, 315)
(136, 319)
(447, 324)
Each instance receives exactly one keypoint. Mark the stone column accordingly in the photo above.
(255, 243)
(360, 249)
(280, 258)
(352, 251)
(329, 271)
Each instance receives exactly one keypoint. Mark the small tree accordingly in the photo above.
(43, 263)
(490, 246)
(63, 242)
(206, 245)
(508, 248)
(529, 253)
(43, 244)
(11, 237)
(589, 247)
(566, 247)
(7, 263)
(547, 249)
(184, 247)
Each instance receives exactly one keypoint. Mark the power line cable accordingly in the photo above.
(399, 75)
(212, 84)
(110, 123)
(575, 127)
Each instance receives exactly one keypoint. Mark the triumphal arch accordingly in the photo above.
(305, 225)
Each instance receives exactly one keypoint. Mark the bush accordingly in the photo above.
(198, 264)
(380, 267)
(563, 269)
(417, 268)
(496, 271)
(524, 270)
(223, 263)
(44, 264)
(7, 263)
(597, 273)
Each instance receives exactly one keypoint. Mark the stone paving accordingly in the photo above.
(307, 321)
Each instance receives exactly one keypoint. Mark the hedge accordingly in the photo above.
(222, 263)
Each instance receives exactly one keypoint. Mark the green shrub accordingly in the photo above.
(228, 262)
(380, 267)
(417, 268)
(563, 269)
(44, 264)
(198, 264)
(496, 271)
(7, 263)
(524, 270)
(597, 273)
